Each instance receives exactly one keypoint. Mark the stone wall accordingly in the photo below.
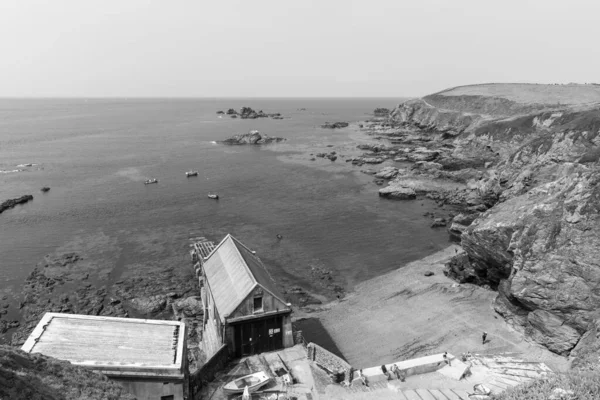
(206, 372)
(326, 359)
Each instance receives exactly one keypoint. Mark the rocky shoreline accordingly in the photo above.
(525, 176)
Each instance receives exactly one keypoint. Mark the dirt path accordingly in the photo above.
(405, 314)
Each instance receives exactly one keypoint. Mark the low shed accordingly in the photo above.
(147, 357)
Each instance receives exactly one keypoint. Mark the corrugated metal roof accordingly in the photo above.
(232, 271)
(258, 270)
(106, 341)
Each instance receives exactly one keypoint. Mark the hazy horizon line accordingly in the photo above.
(197, 97)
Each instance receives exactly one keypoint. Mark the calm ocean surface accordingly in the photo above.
(96, 154)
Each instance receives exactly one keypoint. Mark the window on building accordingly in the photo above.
(258, 304)
(169, 397)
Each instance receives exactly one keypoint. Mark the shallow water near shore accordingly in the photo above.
(96, 154)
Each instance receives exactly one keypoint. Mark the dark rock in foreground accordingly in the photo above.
(14, 202)
(253, 137)
(37, 377)
(334, 125)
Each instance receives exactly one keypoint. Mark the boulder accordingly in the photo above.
(375, 148)
(387, 173)
(422, 155)
(438, 223)
(398, 192)
(148, 305)
(372, 160)
(188, 307)
(426, 166)
(465, 219)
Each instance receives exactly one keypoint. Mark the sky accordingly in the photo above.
(282, 48)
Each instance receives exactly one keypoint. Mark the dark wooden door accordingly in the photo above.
(258, 336)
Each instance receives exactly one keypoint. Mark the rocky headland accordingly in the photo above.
(249, 113)
(253, 137)
(10, 203)
(521, 161)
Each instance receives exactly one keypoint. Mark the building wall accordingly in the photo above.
(288, 334)
(270, 303)
(207, 372)
(154, 390)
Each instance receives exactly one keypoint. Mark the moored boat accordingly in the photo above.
(191, 173)
(149, 181)
(213, 196)
(252, 381)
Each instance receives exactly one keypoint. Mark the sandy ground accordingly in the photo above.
(404, 314)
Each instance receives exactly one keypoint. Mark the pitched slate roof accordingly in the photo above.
(232, 272)
(115, 346)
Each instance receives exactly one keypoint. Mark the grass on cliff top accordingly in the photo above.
(37, 377)
(584, 385)
(527, 93)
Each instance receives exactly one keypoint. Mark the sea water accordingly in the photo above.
(95, 155)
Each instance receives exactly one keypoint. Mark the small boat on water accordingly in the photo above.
(252, 381)
(213, 196)
(45, 189)
(191, 173)
(149, 181)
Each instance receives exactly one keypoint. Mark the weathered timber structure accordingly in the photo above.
(243, 308)
(147, 357)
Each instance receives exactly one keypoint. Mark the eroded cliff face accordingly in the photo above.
(539, 244)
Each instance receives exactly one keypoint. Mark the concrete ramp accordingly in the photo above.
(456, 371)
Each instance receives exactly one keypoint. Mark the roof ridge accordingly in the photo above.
(246, 267)
(217, 246)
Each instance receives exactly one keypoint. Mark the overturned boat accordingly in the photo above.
(191, 173)
(149, 181)
(253, 382)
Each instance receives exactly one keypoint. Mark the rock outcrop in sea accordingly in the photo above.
(14, 202)
(249, 113)
(334, 125)
(523, 163)
(253, 137)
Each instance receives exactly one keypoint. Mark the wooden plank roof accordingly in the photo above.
(232, 271)
(117, 346)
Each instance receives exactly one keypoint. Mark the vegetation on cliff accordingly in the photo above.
(37, 377)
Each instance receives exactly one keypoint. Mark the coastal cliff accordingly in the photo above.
(529, 158)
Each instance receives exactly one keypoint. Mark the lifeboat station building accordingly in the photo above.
(244, 309)
(147, 357)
